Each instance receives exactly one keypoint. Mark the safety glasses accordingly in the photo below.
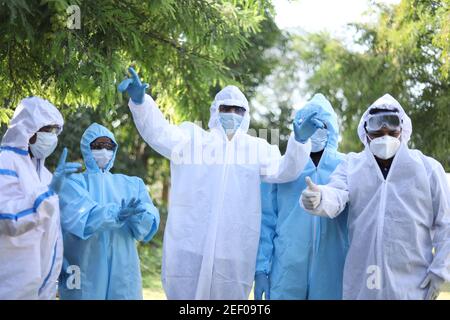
(388, 120)
(97, 145)
(236, 109)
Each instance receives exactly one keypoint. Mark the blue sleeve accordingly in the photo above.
(268, 226)
(81, 215)
(144, 225)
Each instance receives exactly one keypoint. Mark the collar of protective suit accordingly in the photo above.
(93, 132)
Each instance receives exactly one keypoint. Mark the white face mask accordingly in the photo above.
(45, 144)
(384, 147)
(102, 157)
(319, 140)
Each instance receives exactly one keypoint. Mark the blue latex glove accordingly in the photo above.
(134, 87)
(127, 210)
(305, 128)
(262, 285)
(63, 169)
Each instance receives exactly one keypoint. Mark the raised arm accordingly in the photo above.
(149, 120)
(279, 169)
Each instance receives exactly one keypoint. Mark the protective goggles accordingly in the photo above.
(389, 120)
(97, 145)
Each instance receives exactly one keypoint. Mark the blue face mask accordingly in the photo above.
(319, 140)
(45, 144)
(230, 121)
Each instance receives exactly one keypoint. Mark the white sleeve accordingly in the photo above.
(155, 129)
(20, 211)
(334, 194)
(441, 225)
(280, 169)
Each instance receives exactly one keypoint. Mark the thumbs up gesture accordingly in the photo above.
(311, 196)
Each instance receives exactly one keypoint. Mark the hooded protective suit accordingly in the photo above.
(394, 223)
(304, 254)
(212, 232)
(30, 232)
(98, 248)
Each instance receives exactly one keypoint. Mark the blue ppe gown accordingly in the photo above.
(100, 255)
(303, 254)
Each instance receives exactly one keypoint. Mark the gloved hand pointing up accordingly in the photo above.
(134, 87)
(304, 128)
(63, 170)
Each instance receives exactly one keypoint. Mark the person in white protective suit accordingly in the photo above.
(398, 211)
(212, 231)
(30, 232)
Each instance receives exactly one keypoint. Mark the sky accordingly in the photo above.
(319, 15)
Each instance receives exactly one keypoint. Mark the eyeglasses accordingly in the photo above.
(52, 128)
(236, 109)
(378, 121)
(97, 145)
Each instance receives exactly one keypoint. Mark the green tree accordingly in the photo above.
(185, 49)
(404, 52)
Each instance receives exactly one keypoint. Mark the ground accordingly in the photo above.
(157, 293)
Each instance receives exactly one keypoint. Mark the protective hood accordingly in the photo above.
(230, 96)
(93, 132)
(31, 114)
(327, 115)
(387, 102)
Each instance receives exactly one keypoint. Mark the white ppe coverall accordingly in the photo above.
(30, 232)
(212, 231)
(393, 223)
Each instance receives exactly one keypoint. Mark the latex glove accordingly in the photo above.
(63, 169)
(127, 210)
(312, 195)
(434, 283)
(134, 87)
(304, 128)
(262, 285)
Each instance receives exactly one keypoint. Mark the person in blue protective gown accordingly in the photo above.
(302, 256)
(102, 216)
